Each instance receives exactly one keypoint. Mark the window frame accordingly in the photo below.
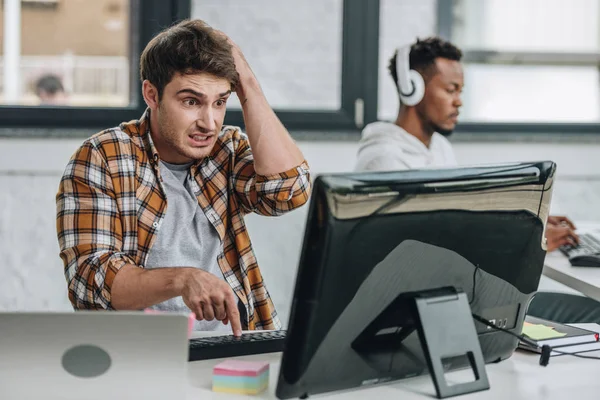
(445, 18)
(146, 17)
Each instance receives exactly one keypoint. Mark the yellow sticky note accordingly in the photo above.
(540, 332)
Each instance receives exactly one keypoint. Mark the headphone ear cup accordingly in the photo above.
(418, 89)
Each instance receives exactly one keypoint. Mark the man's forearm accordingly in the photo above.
(273, 148)
(135, 288)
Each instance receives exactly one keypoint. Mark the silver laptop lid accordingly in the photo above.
(93, 355)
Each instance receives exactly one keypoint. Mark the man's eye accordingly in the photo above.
(190, 102)
(221, 103)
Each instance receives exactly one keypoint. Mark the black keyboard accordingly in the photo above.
(257, 342)
(586, 254)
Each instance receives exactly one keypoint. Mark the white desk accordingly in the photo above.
(518, 378)
(582, 279)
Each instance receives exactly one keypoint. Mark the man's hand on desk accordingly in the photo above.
(210, 297)
(560, 231)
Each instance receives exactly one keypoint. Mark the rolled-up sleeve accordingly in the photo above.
(270, 195)
(89, 230)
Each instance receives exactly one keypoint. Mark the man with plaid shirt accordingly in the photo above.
(150, 214)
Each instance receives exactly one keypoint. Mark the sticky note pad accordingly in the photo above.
(241, 377)
(540, 332)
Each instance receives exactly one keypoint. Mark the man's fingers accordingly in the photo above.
(568, 236)
(209, 313)
(198, 312)
(561, 220)
(570, 241)
(575, 237)
(562, 231)
(233, 314)
(556, 236)
(561, 235)
(575, 240)
(219, 308)
(566, 221)
(224, 35)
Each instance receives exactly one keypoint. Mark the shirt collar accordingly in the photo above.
(144, 132)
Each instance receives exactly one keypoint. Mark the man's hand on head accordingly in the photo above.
(242, 67)
(210, 297)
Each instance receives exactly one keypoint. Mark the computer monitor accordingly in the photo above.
(371, 237)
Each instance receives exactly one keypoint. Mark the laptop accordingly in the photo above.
(93, 355)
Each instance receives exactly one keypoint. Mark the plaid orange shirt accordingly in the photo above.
(110, 205)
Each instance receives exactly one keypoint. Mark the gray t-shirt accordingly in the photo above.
(186, 238)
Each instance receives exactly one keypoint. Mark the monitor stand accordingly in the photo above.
(442, 318)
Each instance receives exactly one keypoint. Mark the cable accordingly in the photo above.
(474, 282)
(520, 337)
(574, 354)
(546, 349)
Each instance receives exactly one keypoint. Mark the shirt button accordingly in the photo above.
(155, 224)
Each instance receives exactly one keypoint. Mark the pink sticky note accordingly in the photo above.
(191, 319)
(240, 368)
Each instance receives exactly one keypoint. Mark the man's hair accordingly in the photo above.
(188, 47)
(49, 83)
(423, 54)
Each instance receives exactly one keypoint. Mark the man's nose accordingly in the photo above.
(458, 101)
(206, 121)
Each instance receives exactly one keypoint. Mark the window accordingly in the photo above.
(532, 61)
(72, 54)
(91, 48)
(530, 93)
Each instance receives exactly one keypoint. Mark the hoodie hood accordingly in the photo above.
(379, 133)
(386, 146)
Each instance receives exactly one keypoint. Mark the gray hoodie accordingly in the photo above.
(387, 147)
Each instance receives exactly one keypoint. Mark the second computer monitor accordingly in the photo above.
(371, 237)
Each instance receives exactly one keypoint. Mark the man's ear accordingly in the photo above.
(150, 93)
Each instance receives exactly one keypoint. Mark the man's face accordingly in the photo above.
(439, 107)
(189, 116)
(48, 98)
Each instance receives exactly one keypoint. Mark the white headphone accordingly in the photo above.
(411, 85)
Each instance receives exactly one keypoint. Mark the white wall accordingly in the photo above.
(31, 275)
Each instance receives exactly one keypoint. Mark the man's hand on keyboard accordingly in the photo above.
(561, 220)
(560, 231)
(210, 297)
